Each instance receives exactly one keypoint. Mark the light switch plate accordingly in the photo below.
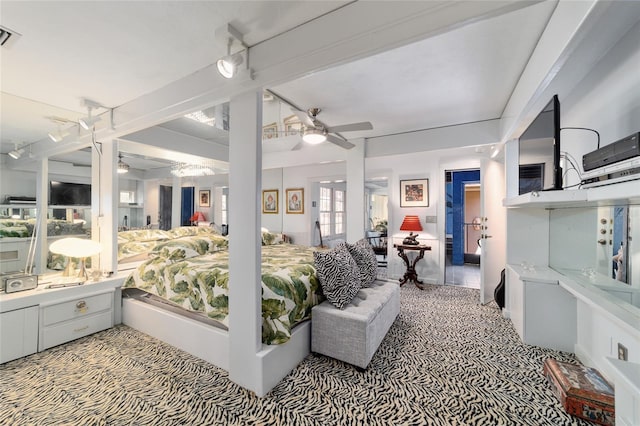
(430, 219)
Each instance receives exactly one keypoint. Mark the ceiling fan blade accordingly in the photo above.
(337, 141)
(364, 125)
(304, 117)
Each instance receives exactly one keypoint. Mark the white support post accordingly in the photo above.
(511, 167)
(245, 182)
(107, 214)
(42, 206)
(355, 191)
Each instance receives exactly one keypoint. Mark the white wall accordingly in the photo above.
(607, 100)
(422, 165)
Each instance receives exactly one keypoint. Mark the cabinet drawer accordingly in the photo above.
(76, 308)
(61, 333)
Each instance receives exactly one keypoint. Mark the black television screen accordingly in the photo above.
(539, 147)
(69, 194)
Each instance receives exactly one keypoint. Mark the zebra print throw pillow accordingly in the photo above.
(366, 260)
(338, 275)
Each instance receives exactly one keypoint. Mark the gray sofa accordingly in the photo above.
(353, 334)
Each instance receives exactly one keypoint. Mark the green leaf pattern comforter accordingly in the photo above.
(200, 283)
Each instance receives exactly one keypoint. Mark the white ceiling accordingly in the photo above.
(114, 52)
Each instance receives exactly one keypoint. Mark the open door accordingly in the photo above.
(493, 227)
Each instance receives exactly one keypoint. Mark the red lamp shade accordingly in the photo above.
(411, 223)
(197, 217)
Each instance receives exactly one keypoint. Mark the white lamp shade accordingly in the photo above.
(75, 247)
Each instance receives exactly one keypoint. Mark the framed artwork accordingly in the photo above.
(295, 200)
(270, 201)
(292, 126)
(270, 131)
(414, 193)
(205, 198)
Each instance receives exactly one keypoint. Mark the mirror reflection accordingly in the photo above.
(599, 244)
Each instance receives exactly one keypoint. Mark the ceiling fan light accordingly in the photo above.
(228, 65)
(122, 166)
(314, 136)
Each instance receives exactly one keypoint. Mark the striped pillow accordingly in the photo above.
(366, 260)
(338, 275)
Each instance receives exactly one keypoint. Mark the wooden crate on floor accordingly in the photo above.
(582, 391)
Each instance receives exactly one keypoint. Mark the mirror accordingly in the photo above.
(377, 215)
(599, 243)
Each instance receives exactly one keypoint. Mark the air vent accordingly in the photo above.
(8, 37)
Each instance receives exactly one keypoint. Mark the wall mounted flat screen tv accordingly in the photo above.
(69, 194)
(539, 148)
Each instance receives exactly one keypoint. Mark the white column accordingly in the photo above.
(355, 192)
(511, 167)
(42, 206)
(104, 203)
(176, 201)
(245, 182)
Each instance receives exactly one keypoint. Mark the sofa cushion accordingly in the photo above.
(338, 275)
(365, 258)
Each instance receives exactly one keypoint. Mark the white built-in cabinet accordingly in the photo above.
(35, 320)
(568, 307)
(542, 312)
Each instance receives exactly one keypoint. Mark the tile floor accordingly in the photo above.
(466, 275)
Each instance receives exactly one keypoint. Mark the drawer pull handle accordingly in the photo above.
(81, 306)
(78, 330)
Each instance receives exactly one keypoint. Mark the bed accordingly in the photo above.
(23, 228)
(193, 275)
(191, 272)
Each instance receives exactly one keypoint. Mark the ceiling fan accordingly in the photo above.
(316, 132)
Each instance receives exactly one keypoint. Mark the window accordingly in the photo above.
(338, 207)
(127, 197)
(332, 211)
(223, 204)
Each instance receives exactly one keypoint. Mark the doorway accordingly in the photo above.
(165, 207)
(186, 208)
(463, 228)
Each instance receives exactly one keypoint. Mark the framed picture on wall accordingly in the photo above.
(295, 200)
(414, 193)
(270, 201)
(270, 131)
(205, 198)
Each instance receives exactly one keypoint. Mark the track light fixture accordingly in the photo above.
(314, 135)
(122, 166)
(16, 153)
(228, 65)
(88, 122)
(58, 135)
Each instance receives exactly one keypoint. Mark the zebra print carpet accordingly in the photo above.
(446, 361)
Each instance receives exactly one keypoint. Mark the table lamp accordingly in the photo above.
(411, 223)
(79, 248)
(197, 217)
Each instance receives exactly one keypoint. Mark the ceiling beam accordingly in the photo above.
(358, 30)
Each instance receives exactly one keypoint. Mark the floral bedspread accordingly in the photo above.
(200, 283)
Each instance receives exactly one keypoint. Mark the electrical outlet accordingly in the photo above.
(622, 352)
(430, 219)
